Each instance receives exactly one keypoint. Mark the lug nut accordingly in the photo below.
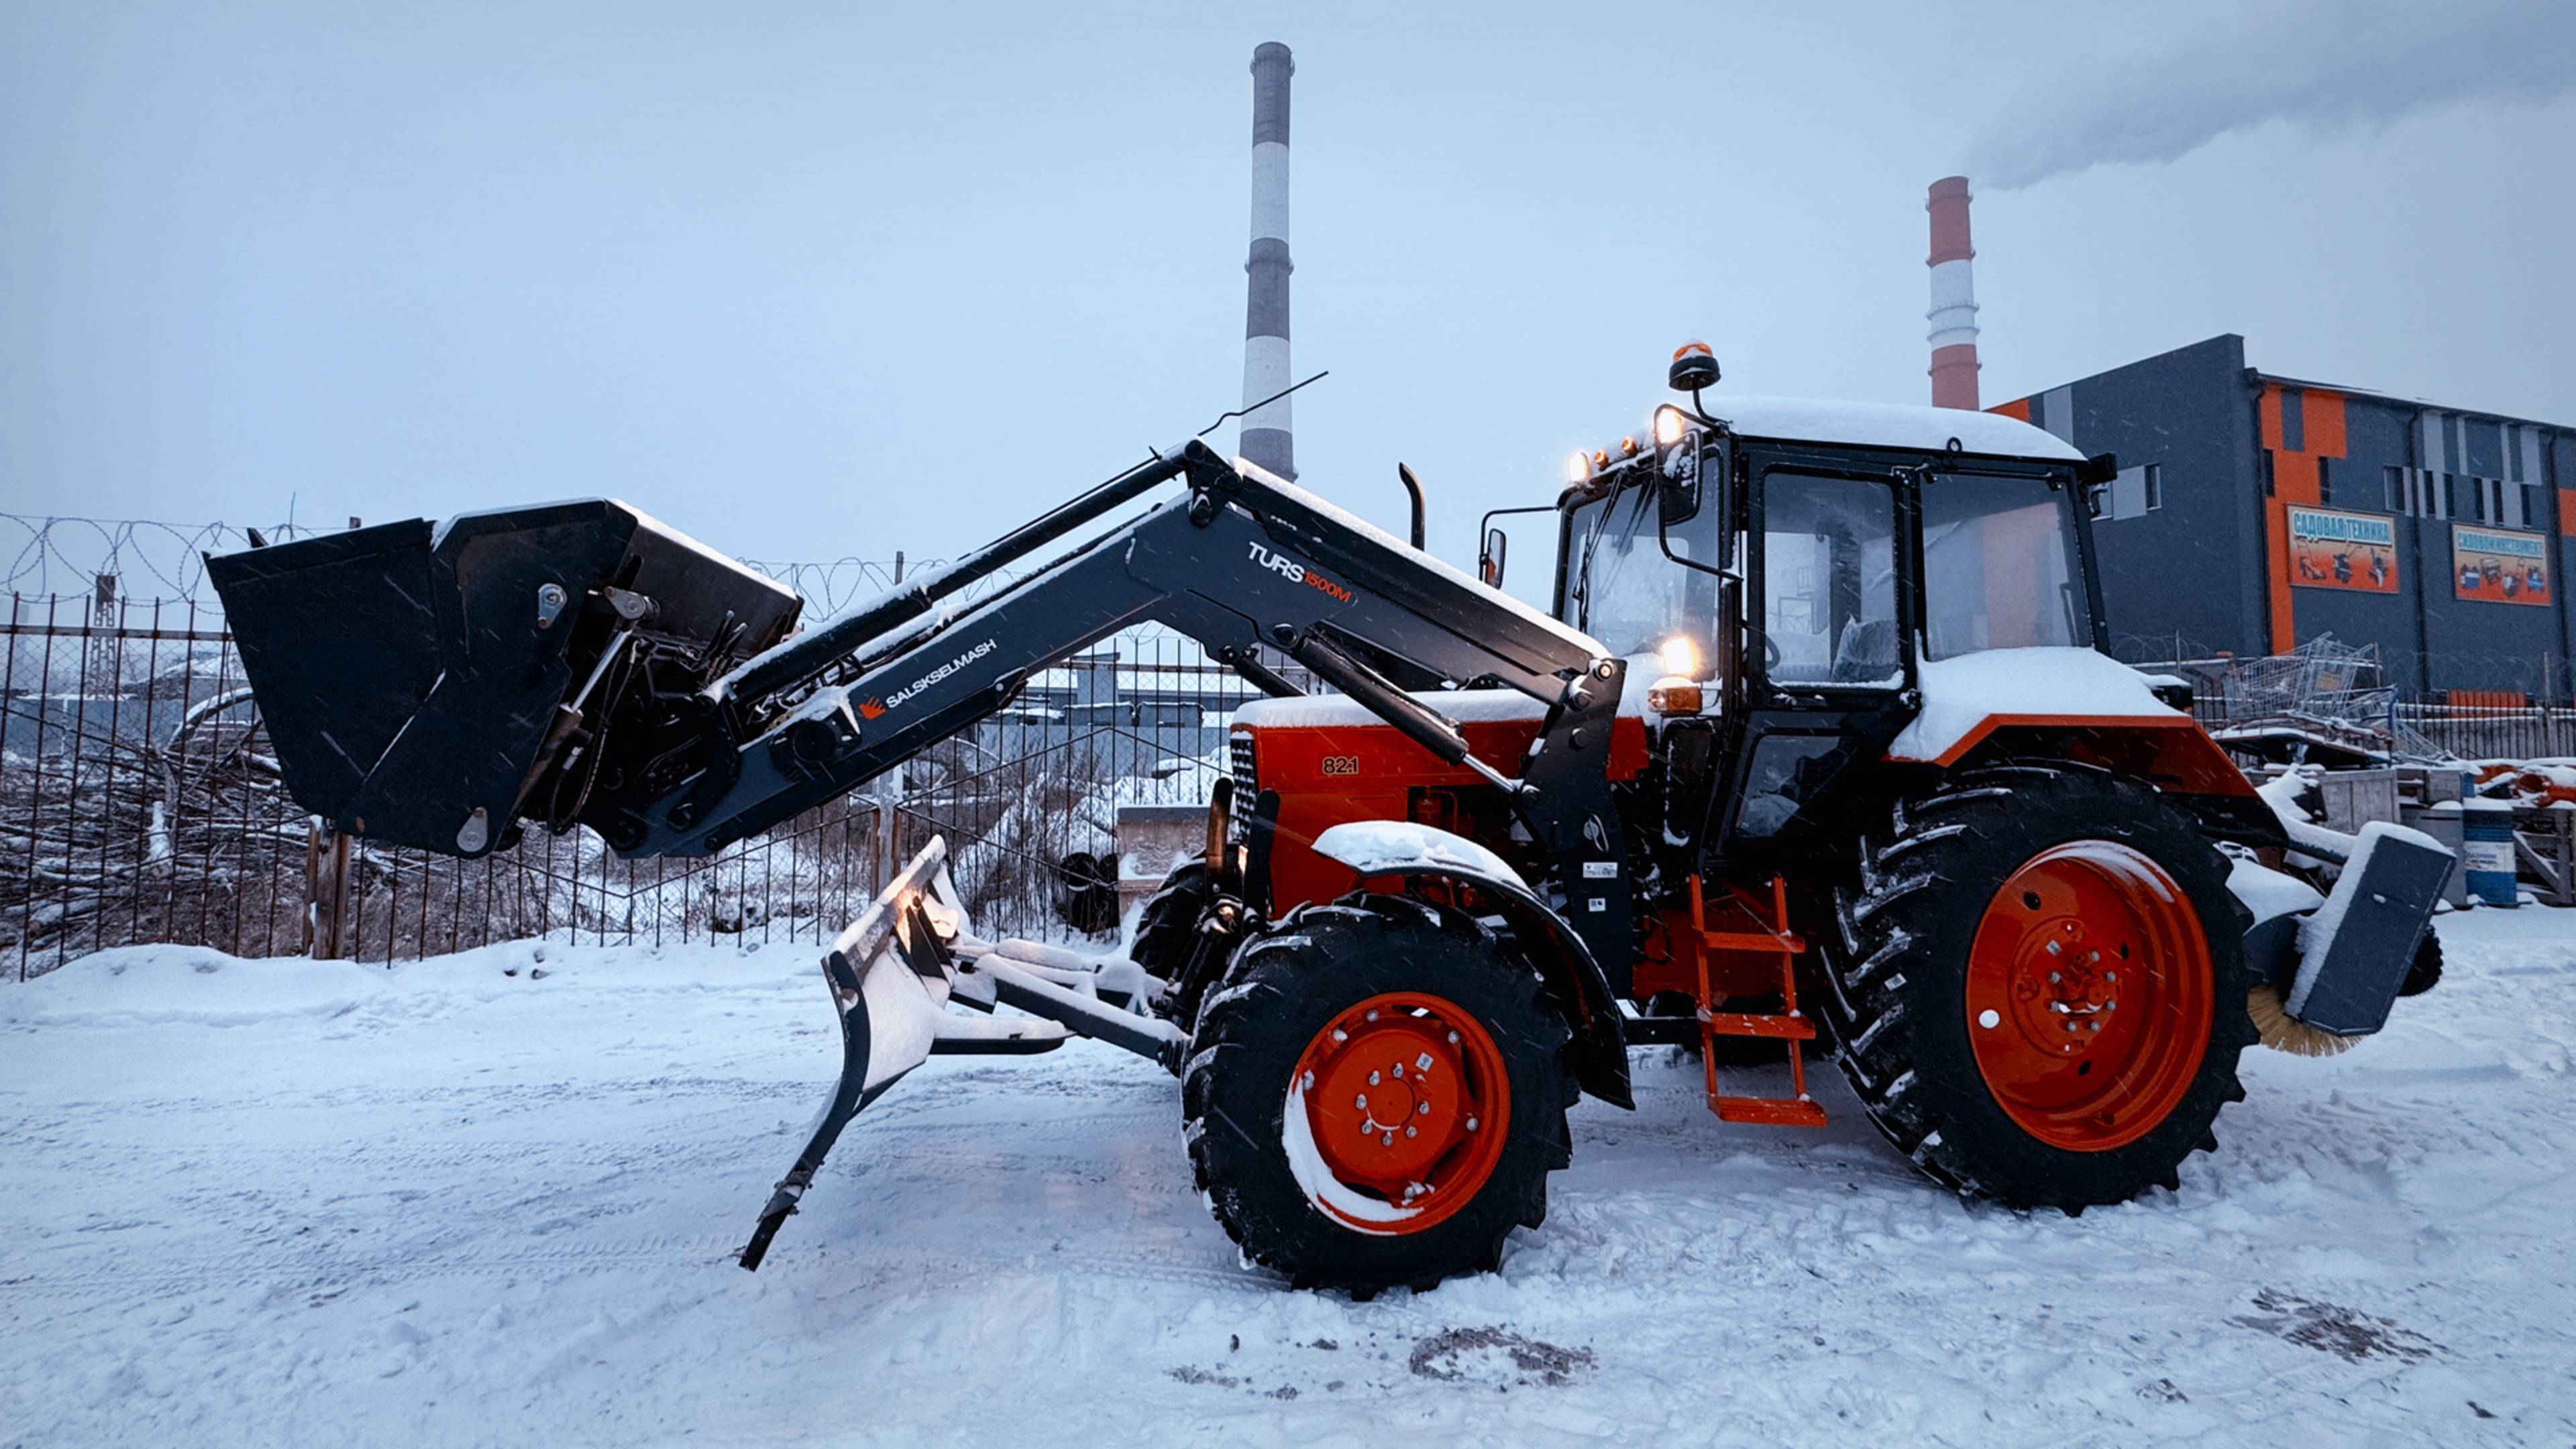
(1372, 1079)
(1471, 1124)
(1399, 1071)
(1360, 1103)
(1421, 1109)
(1372, 1015)
(1453, 1038)
(1388, 1140)
(1408, 1131)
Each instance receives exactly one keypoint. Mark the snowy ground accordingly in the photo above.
(284, 1202)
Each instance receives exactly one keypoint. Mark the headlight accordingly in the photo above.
(1681, 657)
(1670, 425)
(1578, 469)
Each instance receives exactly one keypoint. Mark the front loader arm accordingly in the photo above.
(1239, 560)
(435, 686)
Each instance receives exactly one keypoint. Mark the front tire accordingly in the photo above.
(1376, 1094)
(2040, 992)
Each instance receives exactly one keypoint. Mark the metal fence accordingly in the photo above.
(139, 803)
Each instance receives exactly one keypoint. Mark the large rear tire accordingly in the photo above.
(1375, 1096)
(2039, 991)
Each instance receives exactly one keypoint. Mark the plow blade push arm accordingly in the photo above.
(892, 973)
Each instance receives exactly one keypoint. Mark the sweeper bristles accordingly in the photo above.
(2283, 1032)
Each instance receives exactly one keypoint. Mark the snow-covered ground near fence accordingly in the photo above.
(286, 1202)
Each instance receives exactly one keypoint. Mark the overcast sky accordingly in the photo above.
(818, 280)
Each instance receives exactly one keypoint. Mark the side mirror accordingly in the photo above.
(1677, 501)
(1489, 559)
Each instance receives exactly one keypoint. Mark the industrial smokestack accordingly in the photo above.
(1954, 298)
(1267, 432)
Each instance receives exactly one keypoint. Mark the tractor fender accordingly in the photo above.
(1405, 851)
(2278, 903)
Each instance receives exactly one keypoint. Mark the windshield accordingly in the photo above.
(1621, 589)
(1998, 566)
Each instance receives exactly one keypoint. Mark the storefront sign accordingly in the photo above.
(2331, 550)
(2501, 568)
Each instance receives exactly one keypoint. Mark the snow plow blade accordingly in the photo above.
(901, 964)
(418, 678)
(890, 972)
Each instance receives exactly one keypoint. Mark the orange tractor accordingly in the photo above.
(1815, 750)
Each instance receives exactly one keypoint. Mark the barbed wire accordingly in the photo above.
(44, 555)
(828, 588)
(150, 558)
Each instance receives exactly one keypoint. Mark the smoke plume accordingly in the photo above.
(2326, 66)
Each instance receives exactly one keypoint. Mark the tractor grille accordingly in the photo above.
(1247, 784)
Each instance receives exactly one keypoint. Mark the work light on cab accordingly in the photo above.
(1678, 691)
(1694, 367)
(1671, 425)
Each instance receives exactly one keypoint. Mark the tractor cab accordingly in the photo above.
(1784, 572)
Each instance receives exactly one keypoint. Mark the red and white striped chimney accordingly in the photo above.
(1954, 298)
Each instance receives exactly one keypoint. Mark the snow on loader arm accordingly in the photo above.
(893, 972)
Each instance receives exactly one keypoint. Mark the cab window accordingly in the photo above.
(1999, 566)
(1829, 581)
(1620, 587)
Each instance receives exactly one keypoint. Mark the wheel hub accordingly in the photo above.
(2065, 993)
(2089, 995)
(1406, 1099)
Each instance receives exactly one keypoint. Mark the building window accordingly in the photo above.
(2133, 493)
(2482, 504)
(2325, 481)
(2267, 472)
(2419, 492)
(2493, 500)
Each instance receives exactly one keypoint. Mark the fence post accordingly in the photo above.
(312, 882)
(326, 892)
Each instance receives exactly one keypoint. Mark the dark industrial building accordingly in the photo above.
(2253, 513)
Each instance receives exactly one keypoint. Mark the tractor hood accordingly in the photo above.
(1967, 698)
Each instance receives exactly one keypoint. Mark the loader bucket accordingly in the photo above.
(410, 673)
(890, 973)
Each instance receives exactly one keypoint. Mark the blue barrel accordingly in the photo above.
(2486, 850)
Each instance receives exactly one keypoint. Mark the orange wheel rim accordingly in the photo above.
(1397, 1112)
(2090, 995)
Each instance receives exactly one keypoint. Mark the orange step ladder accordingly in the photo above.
(1739, 926)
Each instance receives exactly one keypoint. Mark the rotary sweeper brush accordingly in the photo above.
(1815, 746)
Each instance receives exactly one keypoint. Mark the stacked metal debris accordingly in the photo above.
(2325, 702)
